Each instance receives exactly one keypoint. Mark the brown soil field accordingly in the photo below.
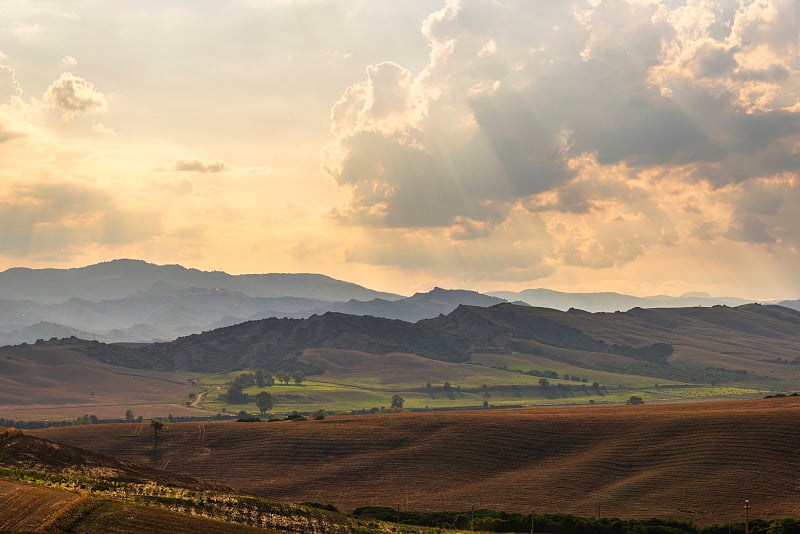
(32, 508)
(25, 507)
(694, 461)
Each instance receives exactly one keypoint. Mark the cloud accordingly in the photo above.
(101, 129)
(7, 133)
(73, 96)
(199, 166)
(13, 75)
(69, 60)
(61, 218)
(27, 29)
(598, 117)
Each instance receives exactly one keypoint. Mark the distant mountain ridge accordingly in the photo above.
(124, 277)
(609, 301)
(135, 301)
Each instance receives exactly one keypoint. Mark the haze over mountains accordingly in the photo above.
(131, 300)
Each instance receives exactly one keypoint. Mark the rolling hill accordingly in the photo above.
(753, 344)
(53, 487)
(694, 462)
(474, 355)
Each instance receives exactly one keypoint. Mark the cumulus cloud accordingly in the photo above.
(72, 96)
(13, 77)
(585, 113)
(199, 166)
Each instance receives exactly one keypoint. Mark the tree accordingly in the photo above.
(157, 426)
(397, 401)
(129, 415)
(261, 378)
(284, 377)
(245, 380)
(298, 377)
(634, 400)
(544, 383)
(235, 395)
(264, 402)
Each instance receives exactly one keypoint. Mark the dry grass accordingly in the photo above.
(58, 382)
(692, 461)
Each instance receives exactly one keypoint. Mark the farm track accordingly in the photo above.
(693, 462)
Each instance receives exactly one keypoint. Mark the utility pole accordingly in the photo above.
(747, 516)
(472, 517)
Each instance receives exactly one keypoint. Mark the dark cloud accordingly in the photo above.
(658, 98)
(199, 166)
(752, 230)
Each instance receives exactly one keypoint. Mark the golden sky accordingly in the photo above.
(639, 146)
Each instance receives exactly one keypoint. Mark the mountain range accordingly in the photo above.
(134, 301)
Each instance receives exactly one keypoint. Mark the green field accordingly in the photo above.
(471, 385)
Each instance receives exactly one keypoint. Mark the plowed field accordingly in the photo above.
(692, 461)
(25, 507)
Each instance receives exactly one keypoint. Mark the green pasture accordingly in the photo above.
(316, 394)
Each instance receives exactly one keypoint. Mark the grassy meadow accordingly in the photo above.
(487, 381)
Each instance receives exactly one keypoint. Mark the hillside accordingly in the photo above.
(755, 344)
(694, 462)
(470, 357)
(58, 381)
(53, 487)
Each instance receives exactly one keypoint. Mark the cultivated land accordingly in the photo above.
(51, 487)
(472, 356)
(691, 461)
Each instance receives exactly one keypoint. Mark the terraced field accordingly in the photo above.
(695, 462)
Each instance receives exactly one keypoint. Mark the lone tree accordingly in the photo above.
(129, 415)
(634, 400)
(157, 425)
(264, 402)
(397, 401)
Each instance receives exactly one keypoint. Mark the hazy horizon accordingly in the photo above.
(643, 147)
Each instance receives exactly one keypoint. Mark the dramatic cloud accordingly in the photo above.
(516, 99)
(199, 166)
(72, 96)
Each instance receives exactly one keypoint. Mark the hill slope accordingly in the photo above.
(759, 345)
(693, 462)
(52, 487)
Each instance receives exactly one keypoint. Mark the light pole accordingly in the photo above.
(747, 516)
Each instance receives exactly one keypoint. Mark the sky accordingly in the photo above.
(640, 146)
